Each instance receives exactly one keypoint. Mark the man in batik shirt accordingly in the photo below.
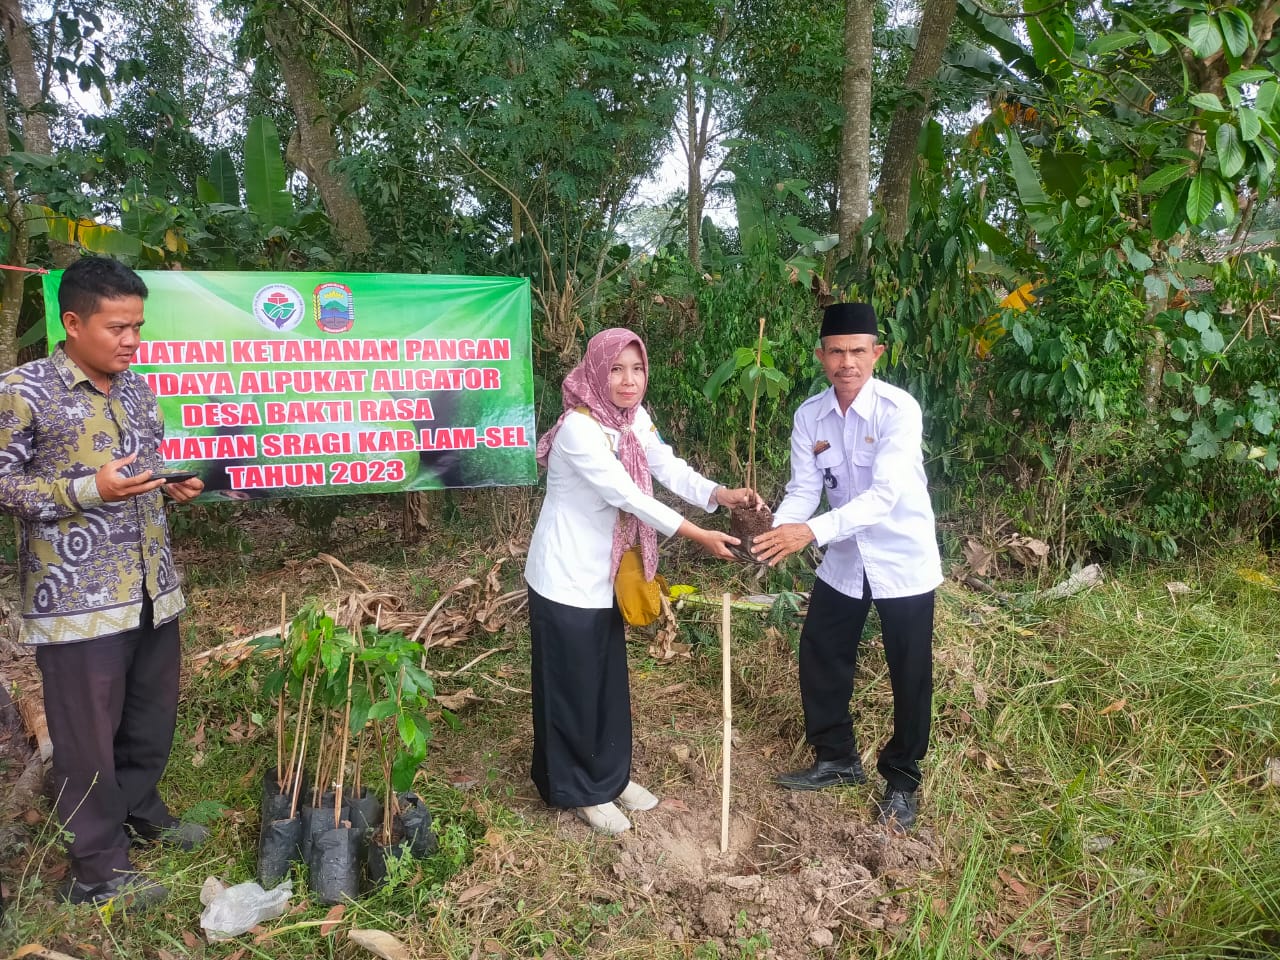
(79, 447)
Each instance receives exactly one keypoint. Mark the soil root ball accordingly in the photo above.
(746, 523)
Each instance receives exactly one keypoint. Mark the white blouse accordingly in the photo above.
(587, 485)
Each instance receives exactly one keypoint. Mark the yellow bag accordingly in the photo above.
(640, 600)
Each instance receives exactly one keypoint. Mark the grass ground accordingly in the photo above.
(1101, 781)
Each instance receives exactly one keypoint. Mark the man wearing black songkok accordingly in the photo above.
(861, 442)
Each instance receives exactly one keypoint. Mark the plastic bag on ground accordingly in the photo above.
(236, 910)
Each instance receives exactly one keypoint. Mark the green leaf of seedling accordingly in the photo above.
(263, 644)
(1264, 422)
(451, 719)
(406, 729)
(422, 680)
(1158, 44)
(1202, 393)
(403, 769)
(382, 709)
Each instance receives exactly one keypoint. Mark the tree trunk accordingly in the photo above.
(11, 305)
(899, 161)
(855, 138)
(317, 150)
(694, 155)
(35, 125)
(698, 136)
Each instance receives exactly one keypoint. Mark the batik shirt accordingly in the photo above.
(83, 563)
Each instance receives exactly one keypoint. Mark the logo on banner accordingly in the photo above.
(279, 307)
(335, 311)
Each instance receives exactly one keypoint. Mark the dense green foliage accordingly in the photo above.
(1113, 162)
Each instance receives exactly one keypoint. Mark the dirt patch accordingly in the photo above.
(800, 868)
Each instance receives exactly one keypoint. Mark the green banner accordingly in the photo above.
(307, 384)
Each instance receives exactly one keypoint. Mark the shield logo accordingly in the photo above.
(335, 310)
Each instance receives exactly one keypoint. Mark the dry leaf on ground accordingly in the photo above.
(978, 557)
(1272, 772)
(1028, 551)
(457, 702)
(332, 918)
(380, 943)
(479, 890)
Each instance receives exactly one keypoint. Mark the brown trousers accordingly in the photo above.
(111, 704)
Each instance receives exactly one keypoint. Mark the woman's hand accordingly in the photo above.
(713, 541)
(738, 497)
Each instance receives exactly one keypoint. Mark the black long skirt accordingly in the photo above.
(581, 703)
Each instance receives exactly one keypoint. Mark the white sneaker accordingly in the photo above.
(604, 818)
(636, 797)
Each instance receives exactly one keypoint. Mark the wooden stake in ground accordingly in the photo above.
(728, 726)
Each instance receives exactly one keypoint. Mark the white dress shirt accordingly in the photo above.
(880, 520)
(586, 487)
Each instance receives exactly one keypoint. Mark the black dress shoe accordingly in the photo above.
(180, 833)
(823, 774)
(897, 809)
(131, 890)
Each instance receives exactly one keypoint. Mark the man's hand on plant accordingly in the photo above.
(714, 542)
(781, 542)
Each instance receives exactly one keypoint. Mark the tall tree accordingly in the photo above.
(313, 147)
(702, 76)
(32, 87)
(899, 158)
(855, 136)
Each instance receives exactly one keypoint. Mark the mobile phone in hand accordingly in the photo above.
(174, 476)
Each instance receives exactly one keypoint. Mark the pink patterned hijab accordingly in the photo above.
(587, 385)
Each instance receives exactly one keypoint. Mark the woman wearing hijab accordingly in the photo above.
(601, 456)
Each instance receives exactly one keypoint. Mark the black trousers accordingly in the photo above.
(829, 644)
(111, 704)
(581, 703)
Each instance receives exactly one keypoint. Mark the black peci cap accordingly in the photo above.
(842, 319)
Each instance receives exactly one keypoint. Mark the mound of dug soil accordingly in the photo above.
(799, 869)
